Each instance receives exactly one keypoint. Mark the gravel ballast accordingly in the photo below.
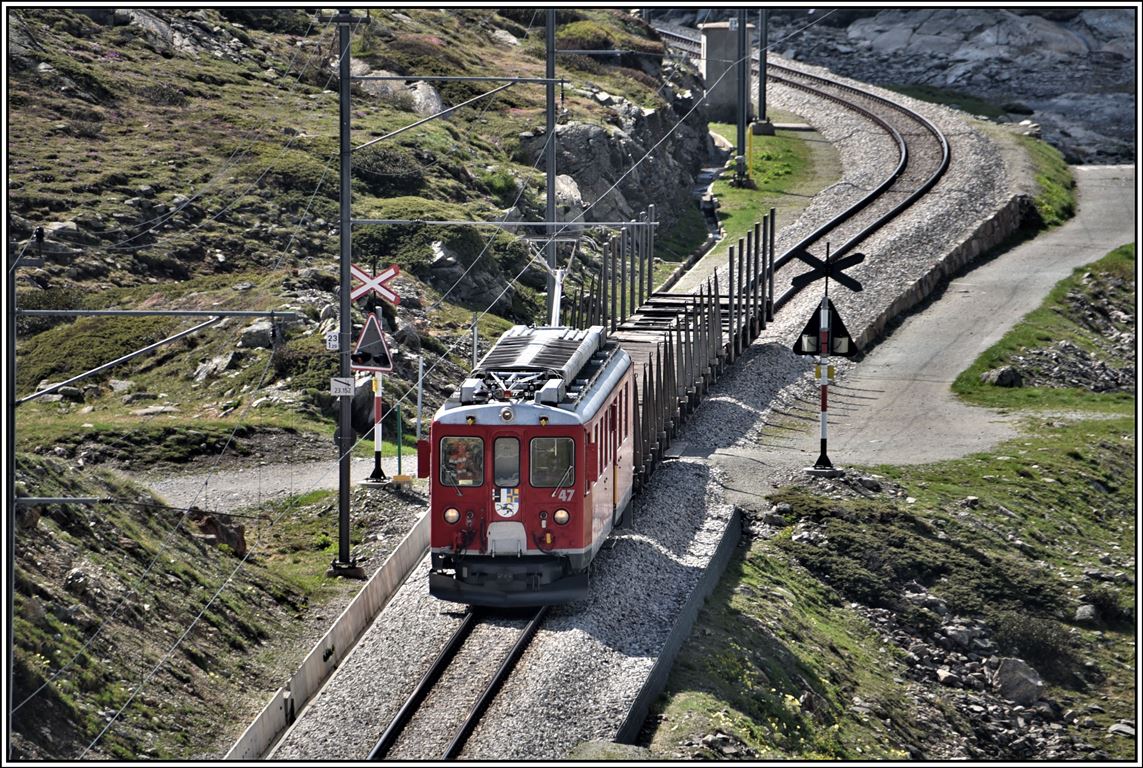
(589, 662)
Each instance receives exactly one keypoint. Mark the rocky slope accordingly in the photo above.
(1071, 71)
(186, 159)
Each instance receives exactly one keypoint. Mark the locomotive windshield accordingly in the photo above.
(552, 462)
(506, 462)
(462, 461)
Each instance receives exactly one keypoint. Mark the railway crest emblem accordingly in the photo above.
(507, 501)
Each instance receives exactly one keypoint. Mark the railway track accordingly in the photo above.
(422, 722)
(682, 342)
(923, 157)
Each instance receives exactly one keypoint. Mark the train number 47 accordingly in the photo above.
(565, 494)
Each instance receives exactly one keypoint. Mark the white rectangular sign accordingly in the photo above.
(341, 387)
(331, 341)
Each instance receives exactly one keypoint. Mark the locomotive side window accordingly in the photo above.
(552, 462)
(462, 461)
(506, 462)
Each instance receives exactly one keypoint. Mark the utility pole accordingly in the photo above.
(343, 565)
(550, 152)
(743, 99)
(762, 124)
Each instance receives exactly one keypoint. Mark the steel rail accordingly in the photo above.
(851, 211)
(888, 216)
(681, 40)
(428, 680)
(481, 705)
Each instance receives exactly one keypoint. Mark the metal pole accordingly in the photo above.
(603, 259)
(420, 391)
(732, 309)
(761, 296)
(378, 387)
(740, 299)
(623, 242)
(763, 36)
(614, 279)
(748, 290)
(10, 481)
(476, 340)
(218, 314)
(755, 297)
(770, 297)
(641, 249)
(633, 241)
(550, 151)
(651, 250)
(343, 565)
(823, 461)
(743, 89)
(400, 437)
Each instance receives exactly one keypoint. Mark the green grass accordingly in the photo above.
(779, 166)
(951, 98)
(1049, 323)
(1007, 537)
(1056, 199)
(774, 660)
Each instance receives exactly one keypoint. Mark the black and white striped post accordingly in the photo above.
(822, 371)
(825, 334)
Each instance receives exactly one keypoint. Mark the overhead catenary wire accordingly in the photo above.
(587, 208)
(250, 551)
(182, 519)
(155, 669)
(133, 589)
(507, 287)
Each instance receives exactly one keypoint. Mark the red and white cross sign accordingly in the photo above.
(375, 283)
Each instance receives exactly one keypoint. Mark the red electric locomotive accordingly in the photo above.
(530, 463)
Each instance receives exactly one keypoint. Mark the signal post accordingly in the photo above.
(825, 334)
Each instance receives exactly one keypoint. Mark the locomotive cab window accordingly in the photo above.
(462, 461)
(506, 462)
(552, 462)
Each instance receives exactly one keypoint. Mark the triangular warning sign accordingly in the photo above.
(371, 352)
(840, 342)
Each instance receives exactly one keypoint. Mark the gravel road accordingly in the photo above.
(243, 486)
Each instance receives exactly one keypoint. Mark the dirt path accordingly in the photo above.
(236, 487)
(897, 405)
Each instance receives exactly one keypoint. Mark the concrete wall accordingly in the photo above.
(288, 701)
(719, 53)
(990, 233)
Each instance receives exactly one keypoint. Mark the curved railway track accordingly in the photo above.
(442, 668)
(445, 705)
(923, 157)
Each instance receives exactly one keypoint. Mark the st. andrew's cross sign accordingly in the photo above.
(825, 334)
(827, 269)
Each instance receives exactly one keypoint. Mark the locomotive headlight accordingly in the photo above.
(561, 516)
(452, 515)
(506, 414)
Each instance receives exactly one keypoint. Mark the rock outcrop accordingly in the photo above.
(600, 156)
(1071, 71)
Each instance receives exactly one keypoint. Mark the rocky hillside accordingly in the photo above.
(1072, 71)
(983, 608)
(186, 159)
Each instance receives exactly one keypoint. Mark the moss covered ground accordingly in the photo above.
(784, 657)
